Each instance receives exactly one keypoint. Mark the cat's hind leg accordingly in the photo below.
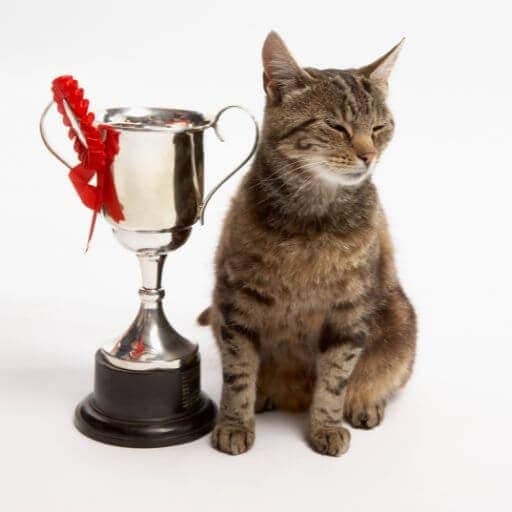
(385, 365)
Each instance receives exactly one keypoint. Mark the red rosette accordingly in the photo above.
(87, 140)
(96, 149)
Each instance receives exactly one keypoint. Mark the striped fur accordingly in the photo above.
(307, 310)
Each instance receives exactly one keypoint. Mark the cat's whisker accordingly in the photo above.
(301, 188)
(295, 174)
(278, 176)
(301, 172)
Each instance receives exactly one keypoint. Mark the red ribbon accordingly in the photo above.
(96, 148)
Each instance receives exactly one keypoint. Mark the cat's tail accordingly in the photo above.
(204, 317)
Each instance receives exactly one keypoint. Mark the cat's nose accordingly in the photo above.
(367, 157)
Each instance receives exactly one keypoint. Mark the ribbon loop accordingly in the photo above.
(80, 177)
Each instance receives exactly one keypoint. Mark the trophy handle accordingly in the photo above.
(214, 124)
(42, 132)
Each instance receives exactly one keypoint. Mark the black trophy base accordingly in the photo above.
(145, 409)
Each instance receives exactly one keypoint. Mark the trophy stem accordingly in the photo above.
(150, 342)
(151, 267)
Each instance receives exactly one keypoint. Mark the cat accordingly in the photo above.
(307, 310)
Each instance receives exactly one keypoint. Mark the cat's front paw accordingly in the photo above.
(232, 439)
(330, 441)
(365, 415)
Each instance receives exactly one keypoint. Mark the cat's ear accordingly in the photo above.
(379, 71)
(280, 71)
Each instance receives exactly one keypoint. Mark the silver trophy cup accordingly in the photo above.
(147, 383)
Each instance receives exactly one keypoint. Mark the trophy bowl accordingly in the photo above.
(147, 390)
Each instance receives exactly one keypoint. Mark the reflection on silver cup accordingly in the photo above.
(158, 172)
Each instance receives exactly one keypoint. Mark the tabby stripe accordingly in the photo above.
(369, 96)
(239, 387)
(296, 129)
(246, 332)
(250, 334)
(225, 334)
(331, 419)
(228, 308)
(338, 389)
(231, 378)
(330, 337)
(230, 417)
(349, 95)
(257, 296)
(353, 85)
(346, 305)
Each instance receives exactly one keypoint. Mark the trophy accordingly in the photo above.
(148, 169)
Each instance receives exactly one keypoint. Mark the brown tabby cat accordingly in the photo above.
(308, 311)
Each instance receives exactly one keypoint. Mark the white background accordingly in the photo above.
(445, 183)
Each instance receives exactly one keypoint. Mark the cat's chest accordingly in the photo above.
(305, 270)
(308, 261)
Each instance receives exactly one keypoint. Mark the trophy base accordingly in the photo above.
(145, 409)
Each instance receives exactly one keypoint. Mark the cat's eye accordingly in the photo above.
(378, 128)
(303, 143)
(338, 127)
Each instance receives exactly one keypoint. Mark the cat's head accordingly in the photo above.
(334, 124)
